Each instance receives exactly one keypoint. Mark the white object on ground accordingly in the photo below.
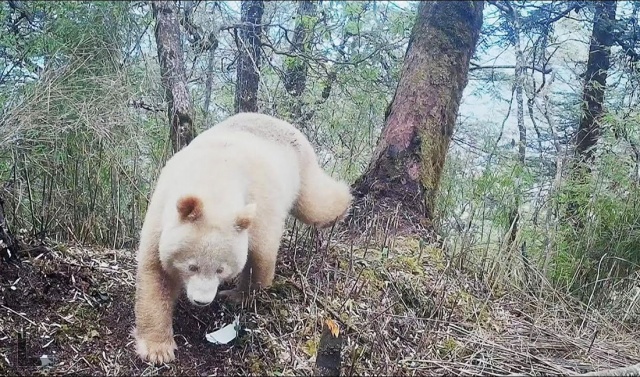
(225, 334)
(45, 360)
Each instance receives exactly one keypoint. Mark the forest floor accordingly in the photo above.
(403, 309)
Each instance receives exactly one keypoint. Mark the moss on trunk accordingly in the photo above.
(408, 161)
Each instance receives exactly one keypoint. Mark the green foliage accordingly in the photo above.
(609, 212)
(78, 162)
(474, 209)
(344, 126)
(78, 156)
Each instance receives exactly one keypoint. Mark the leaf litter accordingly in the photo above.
(399, 315)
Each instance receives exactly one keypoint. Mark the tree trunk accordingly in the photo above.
(514, 215)
(173, 76)
(295, 77)
(408, 161)
(296, 66)
(248, 74)
(208, 86)
(595, 79)
(201, 43)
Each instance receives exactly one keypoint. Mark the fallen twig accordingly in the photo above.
(19, 314)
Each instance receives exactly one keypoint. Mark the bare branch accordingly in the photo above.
(475, 67)
(500, 6)
(195, 33)
(140, 104)
(575, 6)
(505, 7)
(627, 48)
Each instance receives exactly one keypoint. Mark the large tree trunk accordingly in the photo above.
(173, 76)
(405, 171)
(595, 79)
(248, 74)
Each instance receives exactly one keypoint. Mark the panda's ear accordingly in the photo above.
(245, 217)
(189, 208)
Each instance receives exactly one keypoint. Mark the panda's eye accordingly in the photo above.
(220, 270)
(193, 268)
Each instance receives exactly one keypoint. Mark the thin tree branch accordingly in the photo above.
(475, 67)
(195, 33)
(506, 7)
(140, 104)
(627, 48)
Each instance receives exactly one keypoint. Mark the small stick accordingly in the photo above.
(20, 315)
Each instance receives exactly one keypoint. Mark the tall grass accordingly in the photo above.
(597, 262)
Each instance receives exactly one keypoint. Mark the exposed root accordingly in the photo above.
(382, 218)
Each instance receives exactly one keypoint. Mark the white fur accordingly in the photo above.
(246, 174)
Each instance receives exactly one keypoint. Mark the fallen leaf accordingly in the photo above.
(333, 327)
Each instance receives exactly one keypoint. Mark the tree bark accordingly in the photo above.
(329, 354)
(248, 73)
(296, 66)
(173, 76)
(295, 78)
(408, 161)
(595, 79)
(208, 85)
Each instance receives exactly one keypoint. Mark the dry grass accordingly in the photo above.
(401, 306)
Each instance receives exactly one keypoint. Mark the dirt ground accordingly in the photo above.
(401, 312)
(81, 318)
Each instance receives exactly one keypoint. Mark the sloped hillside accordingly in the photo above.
(402, 308)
